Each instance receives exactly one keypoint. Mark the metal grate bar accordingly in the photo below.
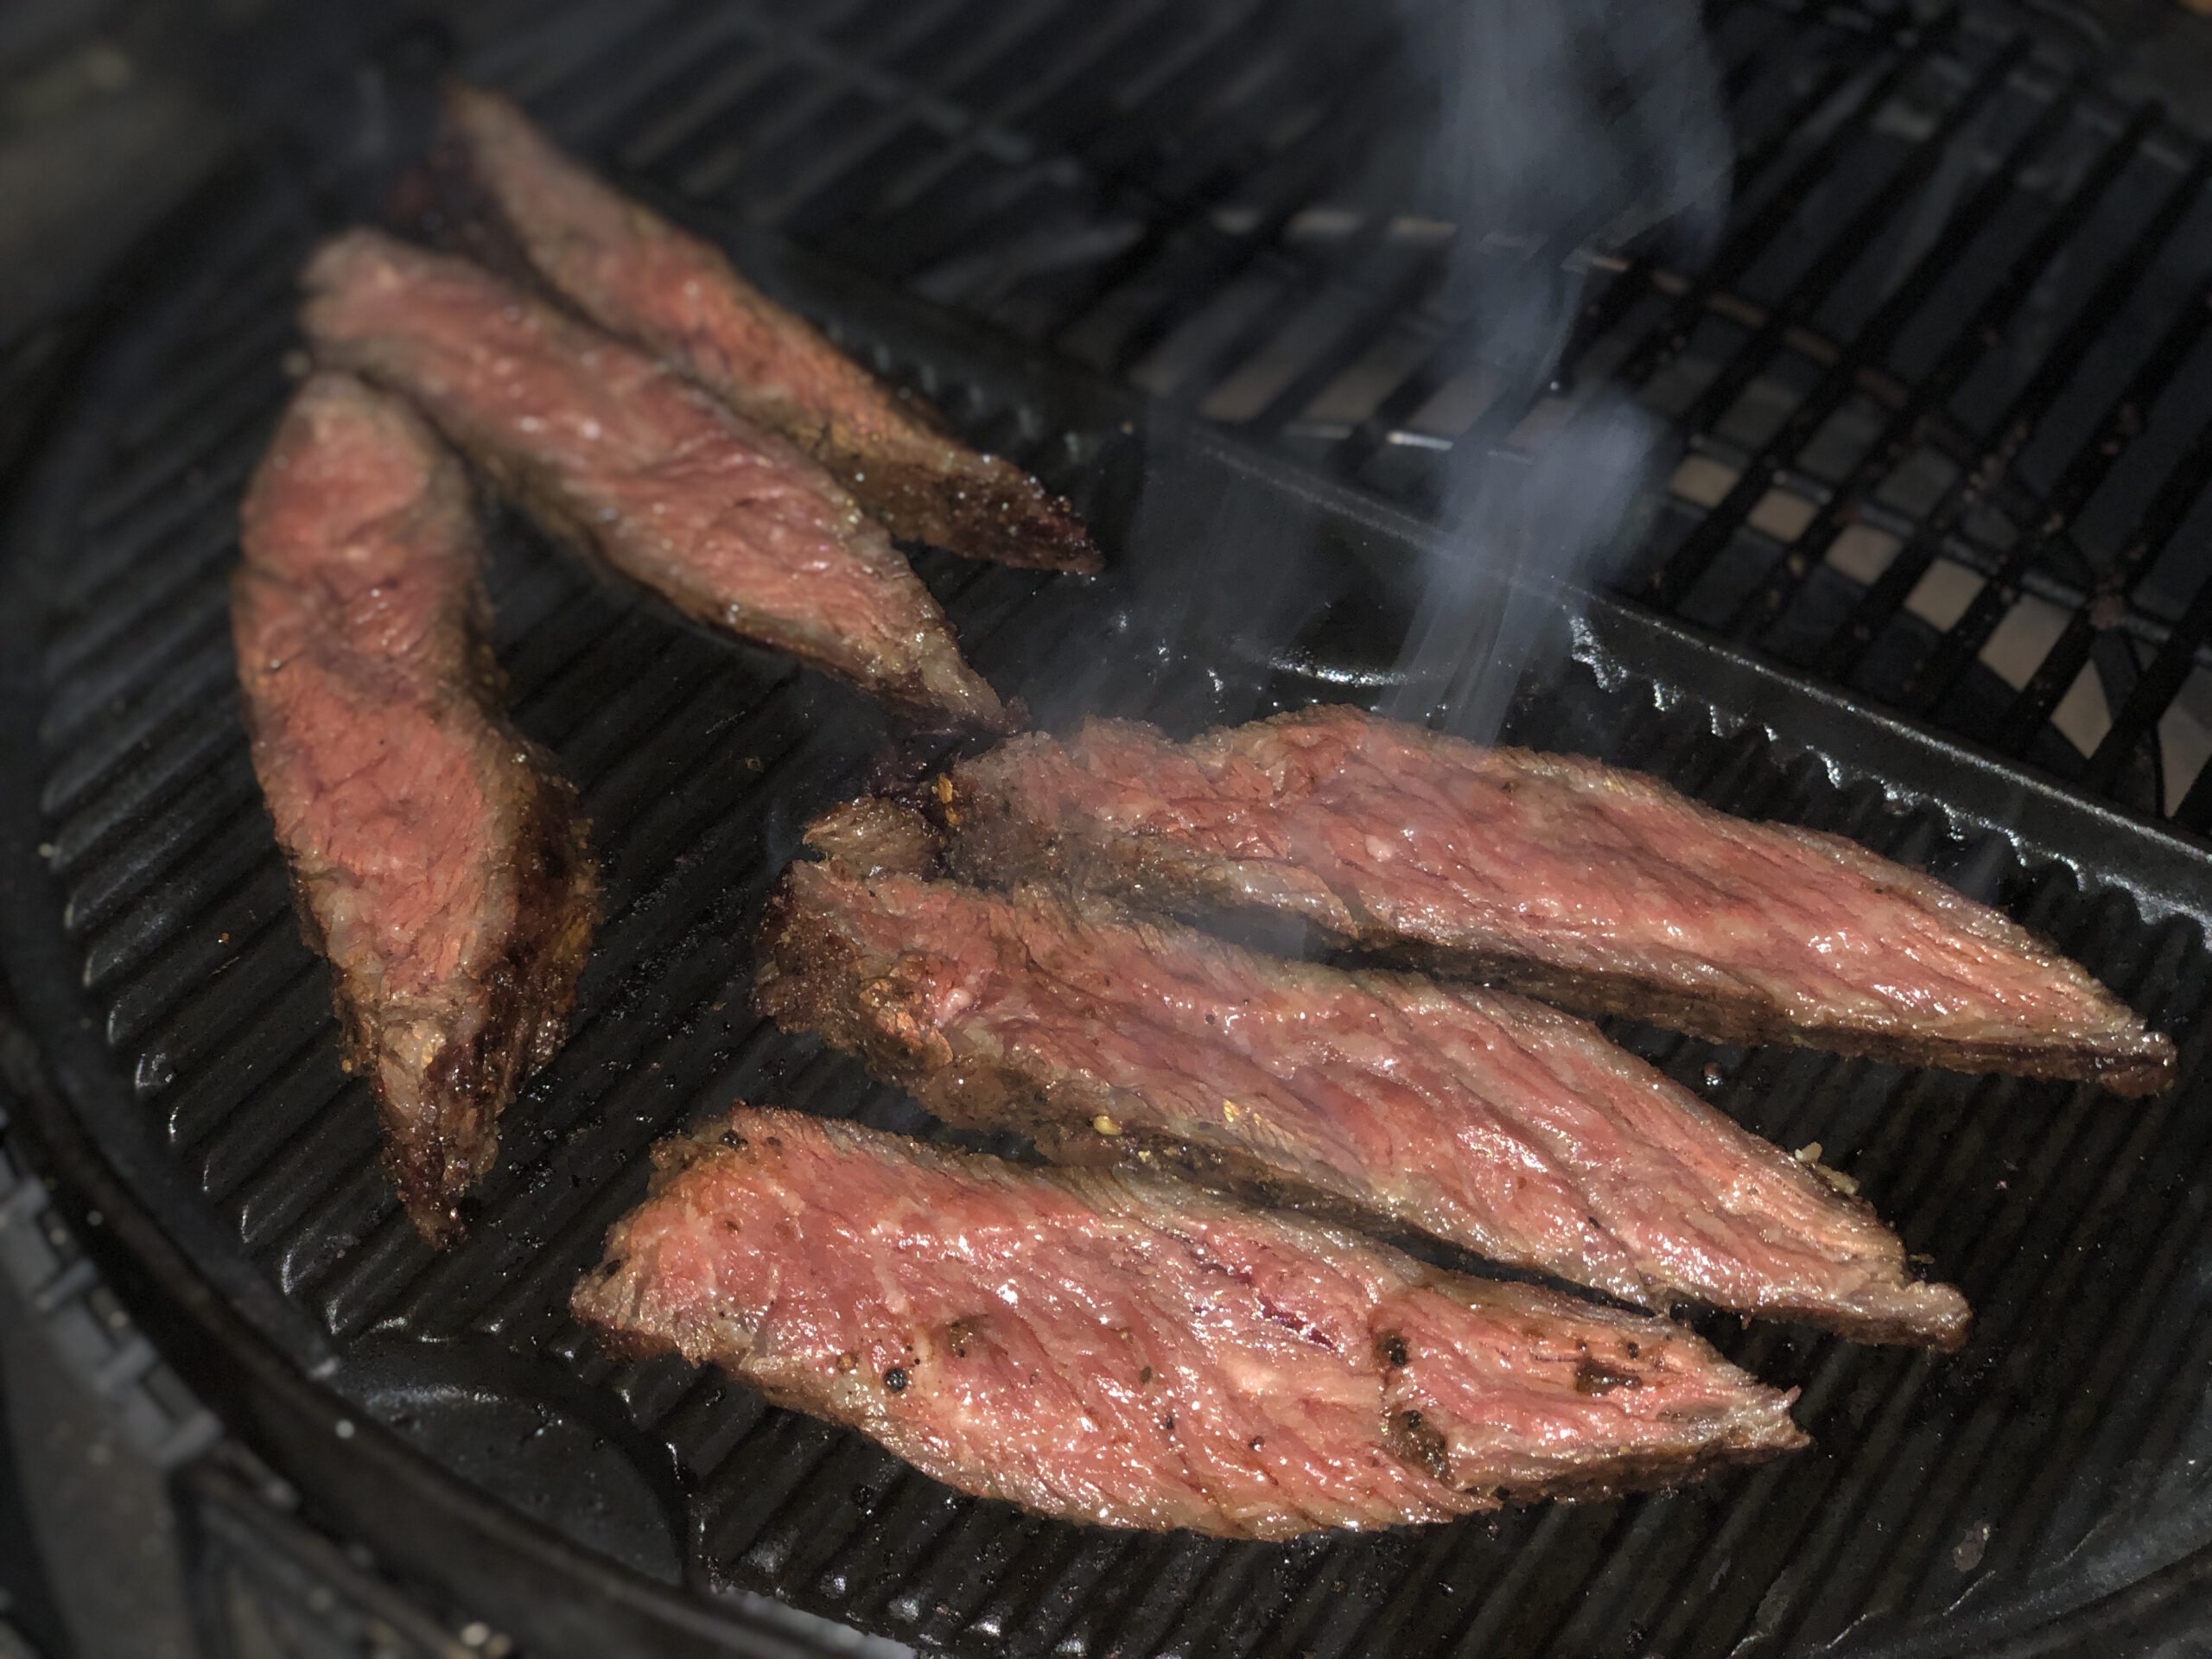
(2161, 520)
(1669, 582)
(2118, 1400)
(751, 148)
(1261, 246)
(530, 59)
(1974, 481)
(1749, 240)
(208, 484)
(2163, 677)
(813, 184)
(2195, 811)
(1034, 100)
(1361, 269)
(2085, 474)
(215, 445)
(1354, 456)
(233, 357)
(614, 88)
(1403, 281)
(1103, 140)
(1414, 287)
(1182, 257)
(171, 643)
(1665, 339)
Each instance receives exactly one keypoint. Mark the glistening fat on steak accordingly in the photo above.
(638, 275)
(621, 456)
(1598, 888)
(1475, 1116)
(437, 856)
(1127, 1350)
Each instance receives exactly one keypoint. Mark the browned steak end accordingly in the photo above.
(639, 277)
(1127, 1350)
(437, 854)
(1599, 888)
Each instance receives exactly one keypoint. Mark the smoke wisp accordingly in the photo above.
(1554, 130)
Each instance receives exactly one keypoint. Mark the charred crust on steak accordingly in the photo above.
(1413, 1441)
(989, 504)
(529, 997)
(872, 837)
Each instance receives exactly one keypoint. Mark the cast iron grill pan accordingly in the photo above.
(2060, 1458)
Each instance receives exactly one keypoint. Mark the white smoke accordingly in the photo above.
(1557, 130)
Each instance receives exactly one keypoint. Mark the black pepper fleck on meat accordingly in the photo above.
(1591, 1378)
(895, 1380)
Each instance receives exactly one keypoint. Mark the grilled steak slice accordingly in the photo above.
(437, 854)
(1600, 889)
(1125, 1349)
(623, 458)
(638, 275)
(1475, 1116)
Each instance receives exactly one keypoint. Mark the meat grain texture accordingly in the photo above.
(622, 458)
(1597, 888)
(1475, 1116)
(437, 856)
(639, 277)
(1127, 1350)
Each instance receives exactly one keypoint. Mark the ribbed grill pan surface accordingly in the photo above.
(2061, 1456)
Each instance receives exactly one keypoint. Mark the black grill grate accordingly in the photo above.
(1099, 183)
(1942, 396)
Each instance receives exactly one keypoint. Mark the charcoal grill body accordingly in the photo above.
(1907, 356)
